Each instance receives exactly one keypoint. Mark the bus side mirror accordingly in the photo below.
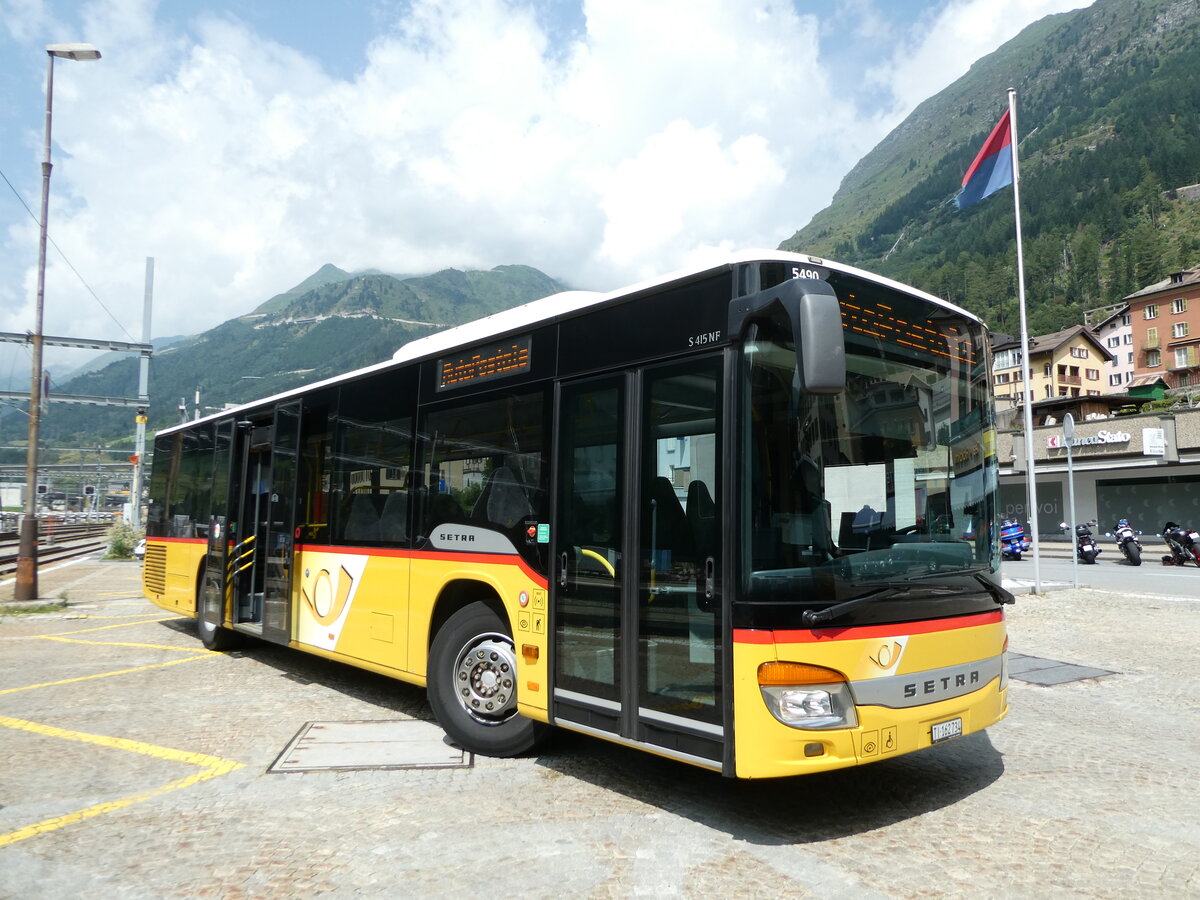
(816, 318)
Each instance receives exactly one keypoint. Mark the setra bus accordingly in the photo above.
(743, 517)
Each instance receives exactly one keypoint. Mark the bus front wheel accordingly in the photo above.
(473, 685)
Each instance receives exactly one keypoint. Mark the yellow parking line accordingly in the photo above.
(67, 640)
(173, 662)
(211, 767)
(106, 627)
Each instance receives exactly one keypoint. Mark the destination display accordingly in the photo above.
(498, 360)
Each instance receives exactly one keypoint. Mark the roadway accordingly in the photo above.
(1112, 572)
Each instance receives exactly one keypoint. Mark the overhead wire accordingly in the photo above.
(70, 265)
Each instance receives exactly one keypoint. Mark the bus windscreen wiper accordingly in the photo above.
(828, 614)
(814, 617)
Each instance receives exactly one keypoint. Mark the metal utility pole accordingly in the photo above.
(139, 452)
(26, 587)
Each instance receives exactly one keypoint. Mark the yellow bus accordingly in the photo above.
(743, 517)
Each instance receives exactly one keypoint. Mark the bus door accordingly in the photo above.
(259, 562)
(637, 637)
(215, 592)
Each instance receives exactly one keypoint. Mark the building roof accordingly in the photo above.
(1102, 315)
(1048, 343)
(1182, 279)
(1115, 311)
(1143, 380)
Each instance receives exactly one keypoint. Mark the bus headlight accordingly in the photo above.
(804, 696)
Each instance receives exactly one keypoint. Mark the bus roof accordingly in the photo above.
(557, 306)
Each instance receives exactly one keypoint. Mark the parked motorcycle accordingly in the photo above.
(1127, 541)
(1184, 544)
(1012, 539)
(1085, 545)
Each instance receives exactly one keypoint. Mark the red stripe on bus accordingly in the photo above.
(494, 559)
(817, 635)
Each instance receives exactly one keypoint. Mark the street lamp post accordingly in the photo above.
(26, 587)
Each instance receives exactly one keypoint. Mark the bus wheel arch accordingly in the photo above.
(472, 675)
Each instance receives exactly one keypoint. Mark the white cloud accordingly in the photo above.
(666, 130)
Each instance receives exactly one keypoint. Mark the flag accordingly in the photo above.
(993, 167)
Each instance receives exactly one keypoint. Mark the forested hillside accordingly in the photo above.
(1109, 118)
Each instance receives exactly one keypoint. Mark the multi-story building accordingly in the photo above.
(1068, 363)
(1165, 320)
(1116, 332)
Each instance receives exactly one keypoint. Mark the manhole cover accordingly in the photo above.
(1036, 670)
(399, 744)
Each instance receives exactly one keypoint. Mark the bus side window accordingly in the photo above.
(370, 465)
(484, 467)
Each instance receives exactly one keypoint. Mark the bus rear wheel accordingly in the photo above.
(214, 637)
(473, 685)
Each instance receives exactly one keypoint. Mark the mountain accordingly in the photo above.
(330, 323)
(327, 274)
(1109, 125)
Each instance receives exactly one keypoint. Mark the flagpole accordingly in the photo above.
(1027, 372)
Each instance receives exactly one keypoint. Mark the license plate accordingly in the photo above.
(1194, 536)
(944, 731)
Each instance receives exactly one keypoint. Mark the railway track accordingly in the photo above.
(56, 543)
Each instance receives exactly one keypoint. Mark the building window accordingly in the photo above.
(1151, 311)
(1046, 370)
(1079, 352)
(1153, 359)
(1114, 341)
(1002, 378)
(1130, 359)
(1185, 356)
(1006, 359)
(1115, 380)
(1093, 393)
(1126, 319)
(1179, 330)
(1179, 305)
(1092, 374)
(1129, 338)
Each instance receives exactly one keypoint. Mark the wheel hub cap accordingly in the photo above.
(485, 678)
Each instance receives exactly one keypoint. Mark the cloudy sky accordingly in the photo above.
(243, 145)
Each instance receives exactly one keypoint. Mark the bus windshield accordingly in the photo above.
(891, 480)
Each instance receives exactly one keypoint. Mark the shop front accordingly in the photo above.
(1145, 468)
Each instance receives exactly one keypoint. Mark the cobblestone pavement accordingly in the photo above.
(135, 766)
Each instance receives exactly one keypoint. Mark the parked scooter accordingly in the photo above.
(1085, 545)
(1127, 541)
(1012, 540)
(1184, 544)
